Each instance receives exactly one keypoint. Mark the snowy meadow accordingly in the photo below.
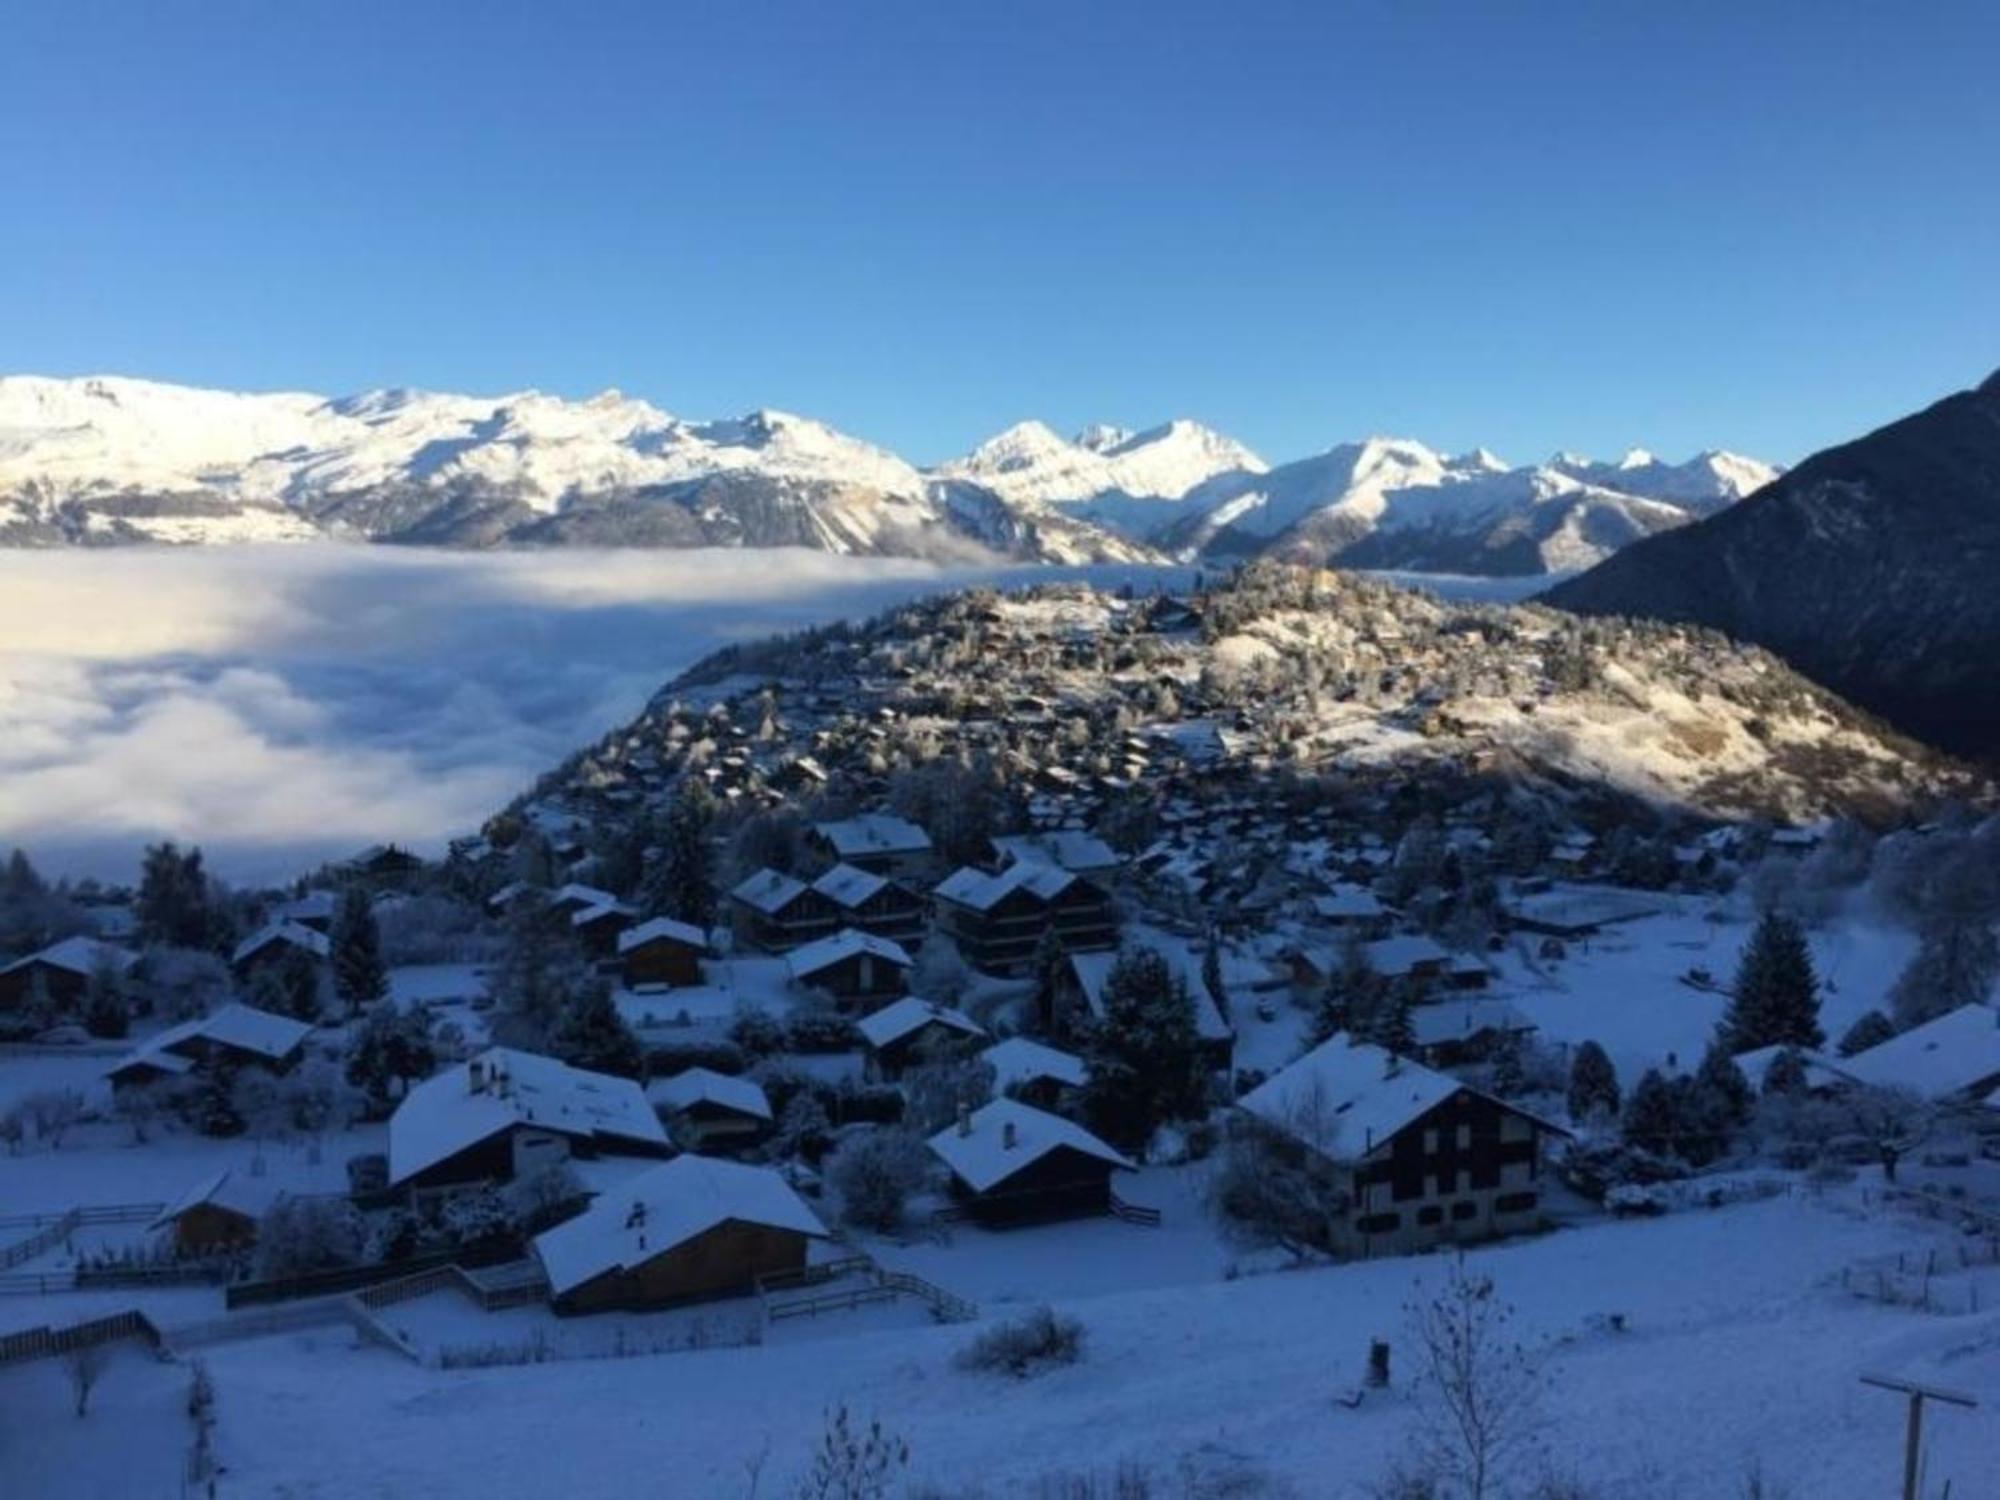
(281, 705)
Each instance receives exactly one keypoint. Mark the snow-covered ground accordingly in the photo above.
(1739, 1349)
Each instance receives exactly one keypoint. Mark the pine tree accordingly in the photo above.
(1776, 996)
(680, 879)
(389, 1050)
(533, 980)
(106, 1010)
(359, 977)
(1047, 968)
(174, 904)
(1354, 993)
(1872, 1030)
(1724, 1080)
(1593, 1084)
(1652, 1119)
(591, 1034)
(288, 985)
(1955, 966)
(1144, 1052)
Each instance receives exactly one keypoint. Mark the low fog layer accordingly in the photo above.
(284, 705)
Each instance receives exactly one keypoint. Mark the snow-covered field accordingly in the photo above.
(282, 705)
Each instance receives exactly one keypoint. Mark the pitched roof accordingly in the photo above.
(981, 891)
(1822, 1072)
(586, 915)
(77, 955)
(1093, 969)
(1348, 901)
(873, 834)
(983, 1157)
(849, 886)
(581, 895)
(444, 1114)
(242, 1027)
(844, 944)
(293, 934)
(1345, 1099)
(1392, 957)
(1066, 848)
(663, 1207)
(236, 1192)
(909, 1015)
(705, 1086)
(1955, 1052)
(768, 891)
(659, 929)
(319, 903)
(1021, 1059)
(1461, 1020)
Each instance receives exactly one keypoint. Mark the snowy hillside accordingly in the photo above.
(107, 459)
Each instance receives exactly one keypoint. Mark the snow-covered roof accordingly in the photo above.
(1822, 1072)
(989, 1151)
(242, 1027)
(1460, 1020)
(705, 1086)
(444, 1114)
(1093, 969)
(657, 929)
(844, 944)
(590, 915)
(981, 891)
(236, 1192)
(581, 895)
(1021, 1059)
(77, 955)
(873, 834)
(316, 905)
(1345, 1099)
(892, 1023)
(768, 891)
(663, 1207)
(1393, 957)
(849, 885)
(1954, 1053)
(1066, 848)
(1575, 906)
(1348, 903)
(294, 934)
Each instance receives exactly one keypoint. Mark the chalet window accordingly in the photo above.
(1430, 1142)
(1463, 1209)
(1430, 1215)
(1465, 1137)
(1514, 1203)
(1378, 1223)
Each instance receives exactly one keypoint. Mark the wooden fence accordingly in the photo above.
(356, 1278)
(40, 1343)
(878, 1285)
(1133, 1213)
(40, 1242)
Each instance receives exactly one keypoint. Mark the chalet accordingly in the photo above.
(1080, 991)
(1572, 912)
(1011, 1163)
(1451, 1032)
(1351, 908)
(706, 1108)
(1409, 956)
(662, 953)
(1953, 1057)
(1417, 1157)
(851, 966)
(315, 909)
(273, 941)
(998, 921)
(874, 841)
(1040, 1075)
(62, 971)
(237, 1036)
(874, 903)
(219, 1213)
(688, 1229)
(775, 912)
(597, 929)
(506, 1114)
(1066, 848)
(911, 1032)
(567, 900)
(384, 865)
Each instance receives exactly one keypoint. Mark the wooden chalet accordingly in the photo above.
(662, 953)
(62, 971)
(597, 929)
(237, 1036)
(998, 920)
(707, 1109)
(874, 903)
(1043, 1076)
(273, 941)
(218, 1214)
(911, 1032)
(689, 1229)
(853, 967)
(1011, 1164)
(878, 842)
(775, 912)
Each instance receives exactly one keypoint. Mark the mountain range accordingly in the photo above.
(1871, 567)
(104, 460)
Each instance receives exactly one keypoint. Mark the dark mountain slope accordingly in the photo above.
(1873, 567)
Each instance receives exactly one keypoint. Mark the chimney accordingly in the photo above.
(1007, 1136)
(965, 1119)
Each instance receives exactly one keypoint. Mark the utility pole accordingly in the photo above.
(1914, 1435)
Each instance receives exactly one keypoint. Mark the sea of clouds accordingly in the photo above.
(281, 706)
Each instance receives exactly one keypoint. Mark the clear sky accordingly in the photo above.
(1764, 226)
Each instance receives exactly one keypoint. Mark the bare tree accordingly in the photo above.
(1479, 1386)
(853, 1462)
(85, 1365)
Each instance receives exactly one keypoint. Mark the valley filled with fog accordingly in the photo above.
(282, 705)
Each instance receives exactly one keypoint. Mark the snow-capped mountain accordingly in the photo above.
(105, 460)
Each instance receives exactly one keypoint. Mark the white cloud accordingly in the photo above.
(282, 705)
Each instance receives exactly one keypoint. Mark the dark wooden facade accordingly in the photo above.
(663, 960)
(806, 918)
(1060, 1184)
(723, 1261)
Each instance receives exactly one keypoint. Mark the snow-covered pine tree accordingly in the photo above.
(1776, 996)
(359, 977)
(1593, 1084)
(680, 880)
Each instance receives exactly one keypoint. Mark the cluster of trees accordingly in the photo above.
(1143, 1053)
(548, 999)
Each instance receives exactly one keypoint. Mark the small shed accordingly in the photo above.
(1037, 1074)
(219, 1213)
(708, 1108)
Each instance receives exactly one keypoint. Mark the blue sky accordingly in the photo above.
(1763, 226)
